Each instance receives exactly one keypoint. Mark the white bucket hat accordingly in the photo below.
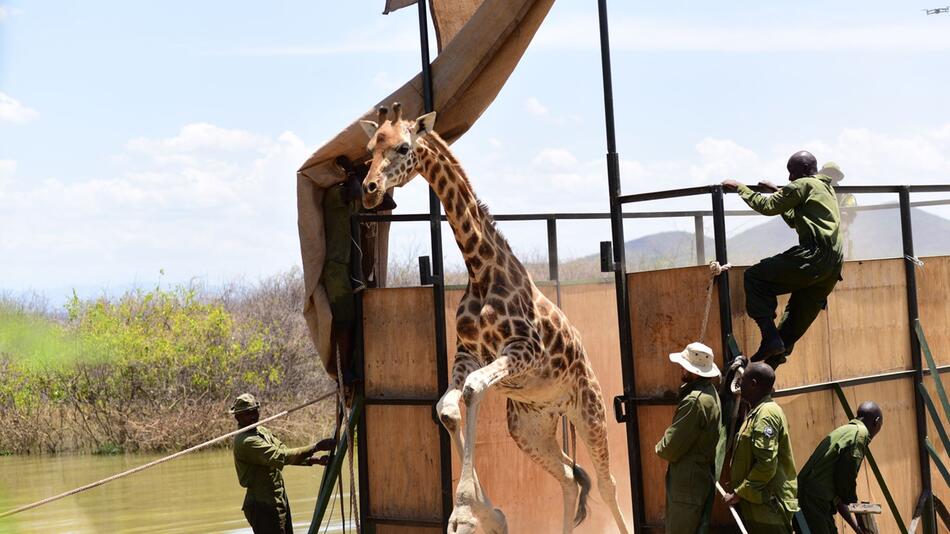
(697, 359)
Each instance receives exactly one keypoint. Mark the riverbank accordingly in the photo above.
(155, 370)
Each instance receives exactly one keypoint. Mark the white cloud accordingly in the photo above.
(198, 137)
(535, 107)
(6, 12)
(208, 201)
(628, 33)
(554, 158)
(12, 110)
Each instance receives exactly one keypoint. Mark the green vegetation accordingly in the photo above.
(152, 370)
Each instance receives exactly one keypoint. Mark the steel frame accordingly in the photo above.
(627, 402)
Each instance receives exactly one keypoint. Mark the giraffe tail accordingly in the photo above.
(583, 480)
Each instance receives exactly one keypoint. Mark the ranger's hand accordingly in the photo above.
(731, 499)
(769, 186)
(317, 460)
(324, 445)
(730, 185)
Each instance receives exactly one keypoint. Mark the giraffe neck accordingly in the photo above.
(481, 244)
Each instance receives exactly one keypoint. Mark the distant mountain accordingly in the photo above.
(872, 234)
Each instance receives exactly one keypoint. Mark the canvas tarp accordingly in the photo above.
(467, 75)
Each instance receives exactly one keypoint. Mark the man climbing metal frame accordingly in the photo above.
(809, 271)
(828, 481)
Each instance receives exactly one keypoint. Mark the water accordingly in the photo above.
(197, 493)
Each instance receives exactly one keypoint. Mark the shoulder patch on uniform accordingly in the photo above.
(768, 431)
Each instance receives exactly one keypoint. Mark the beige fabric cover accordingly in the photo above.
(466, 77)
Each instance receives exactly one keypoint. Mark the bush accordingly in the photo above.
(153, 370)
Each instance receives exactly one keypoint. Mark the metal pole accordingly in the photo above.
(438, 281)
(356, 272)
(700, 234)
(620, 278)
(725, 306)
(907, 235)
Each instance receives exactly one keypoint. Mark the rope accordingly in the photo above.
(715, 270)
(162, 460)
(341, 393)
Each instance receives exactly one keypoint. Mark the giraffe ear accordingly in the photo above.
(425, 124)
(369, 127)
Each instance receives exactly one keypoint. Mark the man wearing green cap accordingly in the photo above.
(828, 482)
(259, 457)
(763, 466)
(689, 444)
(809, 271)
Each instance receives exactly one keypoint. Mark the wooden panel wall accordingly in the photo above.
(933, 290)
(402, 441)
(864, 331)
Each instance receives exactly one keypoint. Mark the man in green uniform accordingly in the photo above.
(259, 457)
(763, 467)
(689, 444)
(846, 204)
(808, 271)
(828, 482)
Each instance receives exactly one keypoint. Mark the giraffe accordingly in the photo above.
(510, 337)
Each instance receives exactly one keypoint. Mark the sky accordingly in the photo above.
(158, 141)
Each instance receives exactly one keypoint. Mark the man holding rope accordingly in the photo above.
(259, 458)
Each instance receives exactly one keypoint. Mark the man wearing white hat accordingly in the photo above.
(689, 444)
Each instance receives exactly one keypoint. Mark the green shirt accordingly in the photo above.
(808, 205)
(832, 470)
(259, 457)
(763, 467)
(689, 444)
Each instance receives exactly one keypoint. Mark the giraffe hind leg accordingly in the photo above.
(589, 419)
(535, 433)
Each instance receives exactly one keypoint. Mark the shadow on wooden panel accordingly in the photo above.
(403, 462)
(498, 461)
(810, 361)
(592, 308)
(933, 298)
(895, 448)
(666, 314)
(940, 488)
(868, 317)
(399, 342)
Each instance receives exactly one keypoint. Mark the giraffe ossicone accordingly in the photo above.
(511, 338)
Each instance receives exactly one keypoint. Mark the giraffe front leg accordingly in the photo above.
(472, 506)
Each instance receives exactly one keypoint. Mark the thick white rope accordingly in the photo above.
(163, 460)
(715, 270)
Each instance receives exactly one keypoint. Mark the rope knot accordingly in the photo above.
(716, 269)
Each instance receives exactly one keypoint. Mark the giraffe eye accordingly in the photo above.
(403, 149)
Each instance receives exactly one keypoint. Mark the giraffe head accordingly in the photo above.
(393, 144)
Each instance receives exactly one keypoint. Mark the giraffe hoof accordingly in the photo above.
(462, 521)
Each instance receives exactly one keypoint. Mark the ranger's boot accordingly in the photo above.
(772, 345)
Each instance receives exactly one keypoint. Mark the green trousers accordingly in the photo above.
(819, 514)
(808, 273)
(268, 519)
